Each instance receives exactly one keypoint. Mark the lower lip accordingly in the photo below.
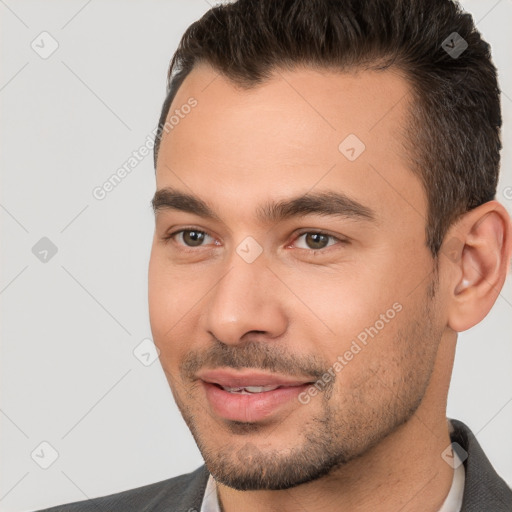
(249, 407)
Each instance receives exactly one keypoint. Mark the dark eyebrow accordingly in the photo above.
(170, 199)
(320, 203)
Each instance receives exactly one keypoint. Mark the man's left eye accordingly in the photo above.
(315, 241)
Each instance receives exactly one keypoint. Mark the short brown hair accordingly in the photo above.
(453, 132)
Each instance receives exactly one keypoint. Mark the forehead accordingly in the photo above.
(300, 130)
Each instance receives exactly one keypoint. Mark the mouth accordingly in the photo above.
(250, 396)
(250, 380)
(249, 390)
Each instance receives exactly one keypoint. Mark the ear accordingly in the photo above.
(478, 248)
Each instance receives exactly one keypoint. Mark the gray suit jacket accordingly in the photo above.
(484, 490)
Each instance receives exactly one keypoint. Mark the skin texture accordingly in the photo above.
(374, 436)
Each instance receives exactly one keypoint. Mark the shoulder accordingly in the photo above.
(484, 489)
(183, 493)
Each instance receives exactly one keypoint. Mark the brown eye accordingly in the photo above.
(316, 240)
(190, 238)
(193, 238)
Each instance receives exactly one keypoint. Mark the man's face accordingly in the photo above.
(338, 283)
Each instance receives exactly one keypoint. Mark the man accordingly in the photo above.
(325, 226)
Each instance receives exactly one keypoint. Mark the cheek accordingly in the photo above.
(364, 311)
(158, 297)
(170, 290)
(348, 299)
(394, 352)
(174, 300)
(166, 299)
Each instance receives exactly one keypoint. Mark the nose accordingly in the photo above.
(245, 299)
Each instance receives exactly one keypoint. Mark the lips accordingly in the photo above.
(250, 396)
(249, 379)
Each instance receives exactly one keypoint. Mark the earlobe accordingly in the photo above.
(481, 258)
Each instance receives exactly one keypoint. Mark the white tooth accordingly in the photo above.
(232, 390)
(259, 389)
(249, 389)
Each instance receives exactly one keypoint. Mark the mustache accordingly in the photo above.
(254, 355)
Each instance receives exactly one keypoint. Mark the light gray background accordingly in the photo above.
(69, 326)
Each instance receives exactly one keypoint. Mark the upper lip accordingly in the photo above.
(231, 379)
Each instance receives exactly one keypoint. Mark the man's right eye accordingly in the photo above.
(188, 237)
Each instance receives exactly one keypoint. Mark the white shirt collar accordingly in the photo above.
(453, 502)
(210, 500)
